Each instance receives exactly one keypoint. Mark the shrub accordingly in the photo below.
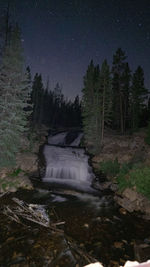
(141, 179)
(15, 172)
(136, 177)
(129, 175)
(110, 168)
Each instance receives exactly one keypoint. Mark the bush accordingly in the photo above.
(110, 168)
(129, 175)
(141, 179)
(136, 177)
(15, 172)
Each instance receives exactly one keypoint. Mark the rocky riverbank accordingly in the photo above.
(129, 149)
(27, 161)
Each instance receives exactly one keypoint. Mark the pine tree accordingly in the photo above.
(91, 108)
(105, 97)
(76, 116)
(126, 88)
(28, 88)
(87, 103)
(57, 101)
(139, 94)
(119, 89)
(13, 101)
(37, 99)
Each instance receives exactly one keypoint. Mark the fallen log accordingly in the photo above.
(20, 212)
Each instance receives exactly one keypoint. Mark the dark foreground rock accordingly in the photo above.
(133, 201)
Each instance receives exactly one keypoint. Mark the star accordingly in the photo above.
(140, 24)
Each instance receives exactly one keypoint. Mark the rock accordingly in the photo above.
(86, 225)
(4, 172)
(125, 203)
(118, 245)
(25, 182)
(114, 187)
(141, 251)
(27, 162)
(123, 211)
(103, 186)
(134, 201)
(114, 263)
(130, 194)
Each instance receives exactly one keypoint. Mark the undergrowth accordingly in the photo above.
(128, 175)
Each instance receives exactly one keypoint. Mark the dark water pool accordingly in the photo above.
(94, 224)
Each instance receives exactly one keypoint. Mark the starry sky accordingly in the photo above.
(60, 37)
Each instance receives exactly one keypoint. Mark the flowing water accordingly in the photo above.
(67, 165)
(91, 218)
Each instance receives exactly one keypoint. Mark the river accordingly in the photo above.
(90, 217)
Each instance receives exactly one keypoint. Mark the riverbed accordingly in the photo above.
(94, 227)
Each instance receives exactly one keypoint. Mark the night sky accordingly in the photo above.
(61, 37)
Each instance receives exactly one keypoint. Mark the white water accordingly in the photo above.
(67, 165)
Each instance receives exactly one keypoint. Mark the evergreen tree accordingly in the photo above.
(5, 26)
(76, 120)
(88, 103)
(105, 97)
(126, 87)
(28, 88)
(37, 99)
(13, 101)
(119, 90)
(57, 101)
(139, 94)
(91, 108)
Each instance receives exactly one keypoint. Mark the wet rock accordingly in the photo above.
(86, 225)
(141, 251)
(123, 211)
(133, 201)
(114, 187)
(118, 244)
(114, 263)
(105, 185)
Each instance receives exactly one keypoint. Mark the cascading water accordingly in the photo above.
(67, 165)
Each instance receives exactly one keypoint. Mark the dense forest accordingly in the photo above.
(113, 98)
(26, 104)
(51, 108)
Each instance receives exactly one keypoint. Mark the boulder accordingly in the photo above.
(134, 201)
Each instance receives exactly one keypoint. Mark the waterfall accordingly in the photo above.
(67, 165)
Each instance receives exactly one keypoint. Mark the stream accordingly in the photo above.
(92, 223)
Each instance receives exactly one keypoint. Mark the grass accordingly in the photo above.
(129, 175)
(110, 168)
(15, 172)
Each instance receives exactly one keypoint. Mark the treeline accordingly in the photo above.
(51, 108)
(113, 98)
(24, 103)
